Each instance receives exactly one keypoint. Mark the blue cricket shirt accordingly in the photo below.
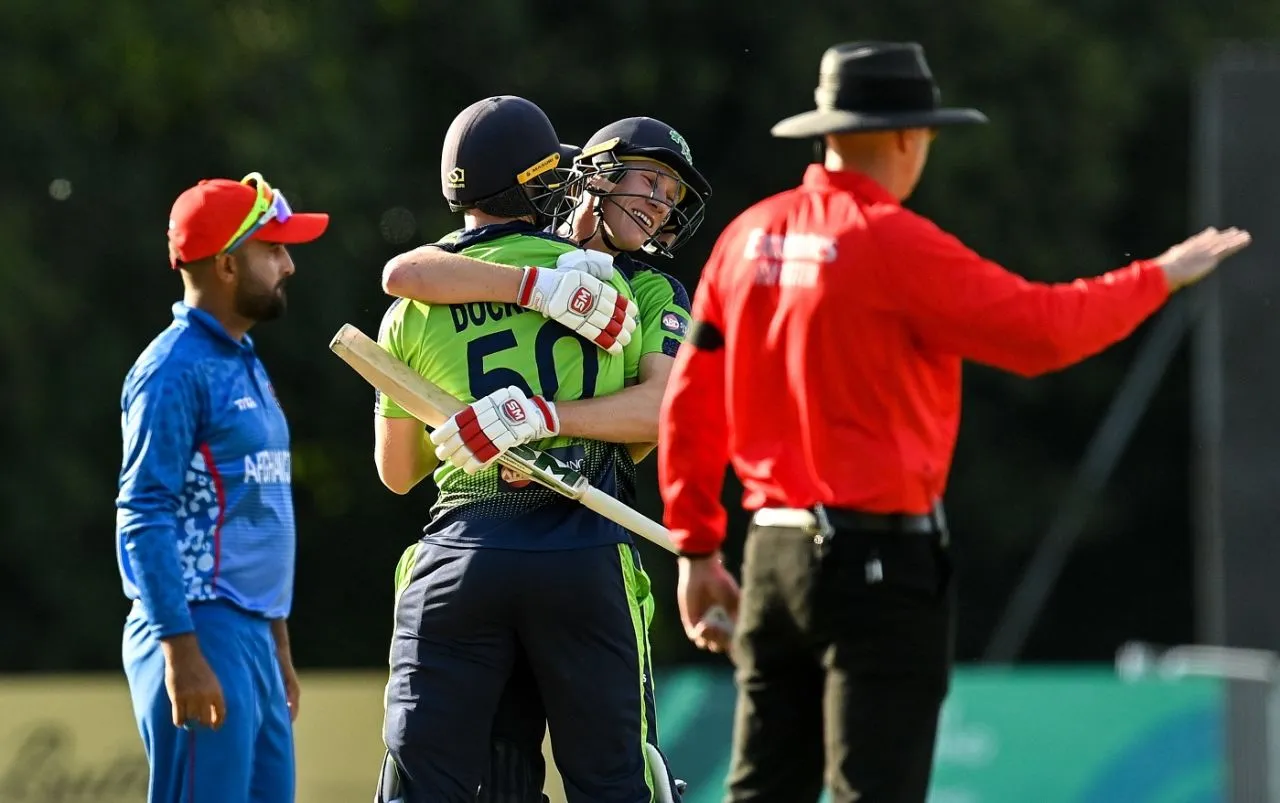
(205, 506)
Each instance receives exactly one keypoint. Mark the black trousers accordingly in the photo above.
(517, 771)
(462, 619)
(843, 657)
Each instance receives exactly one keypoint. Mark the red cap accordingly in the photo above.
(205, 217)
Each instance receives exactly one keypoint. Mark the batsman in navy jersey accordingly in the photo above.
(204, 528)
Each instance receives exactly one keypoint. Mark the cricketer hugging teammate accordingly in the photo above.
(521, 610)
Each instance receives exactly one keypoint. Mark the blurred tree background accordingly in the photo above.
(111, 110)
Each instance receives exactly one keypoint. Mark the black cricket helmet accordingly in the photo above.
(573, 188)
(569, 153)
(614, 149)
(502, 156)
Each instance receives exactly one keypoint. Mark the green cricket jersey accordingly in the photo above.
(471, 350)
(663, 303)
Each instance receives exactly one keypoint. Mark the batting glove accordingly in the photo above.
(581, 302)
(480, 433)
(597, 263)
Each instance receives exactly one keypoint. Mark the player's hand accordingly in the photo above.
(194, 691)
(596, 263)
(1194, 258)
(581, 302)
(292, 688)
(708, 598)
(478, 434)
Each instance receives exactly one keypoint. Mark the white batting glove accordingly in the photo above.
(581, 302)
(479, 434)
(596, 263)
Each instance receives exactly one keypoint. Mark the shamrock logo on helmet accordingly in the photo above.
(684, 146)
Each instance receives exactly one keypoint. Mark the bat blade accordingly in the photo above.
(428, 403)
(432, 405)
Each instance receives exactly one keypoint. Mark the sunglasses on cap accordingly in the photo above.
(268, 206)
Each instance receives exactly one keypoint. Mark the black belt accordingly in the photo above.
(819, 518)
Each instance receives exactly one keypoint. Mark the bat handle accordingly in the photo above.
(636, 522)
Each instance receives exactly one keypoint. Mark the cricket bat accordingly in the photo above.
(433, 406)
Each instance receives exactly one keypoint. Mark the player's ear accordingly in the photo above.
(226, 267)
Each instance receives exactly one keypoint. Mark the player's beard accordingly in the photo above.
(259, 303)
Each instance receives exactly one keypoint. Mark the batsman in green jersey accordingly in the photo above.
(643, 194)
(505, 566)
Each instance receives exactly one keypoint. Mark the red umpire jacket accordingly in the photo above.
(824, 362)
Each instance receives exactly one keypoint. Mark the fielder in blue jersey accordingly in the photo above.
(204, 525)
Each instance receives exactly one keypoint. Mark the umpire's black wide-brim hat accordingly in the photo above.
(874, 86)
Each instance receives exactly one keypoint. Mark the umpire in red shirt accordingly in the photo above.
(824, 365)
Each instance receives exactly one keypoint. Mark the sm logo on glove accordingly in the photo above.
(582, 302)
(513, 412)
